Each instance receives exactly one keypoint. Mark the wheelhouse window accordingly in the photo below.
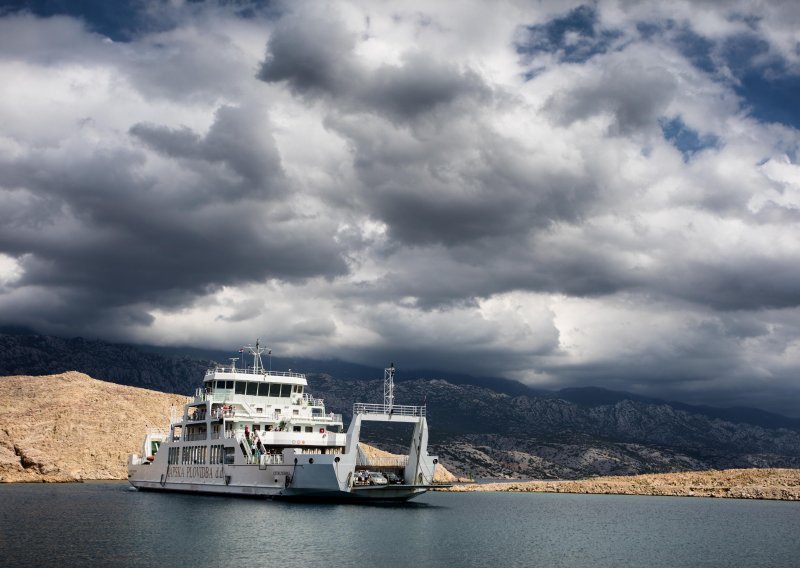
(241, 387)
(274, 389)
(286, 391)
(263, 389)
(252, 389)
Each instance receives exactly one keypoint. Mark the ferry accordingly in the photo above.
(252, 431)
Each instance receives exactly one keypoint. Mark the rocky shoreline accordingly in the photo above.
(777, 484)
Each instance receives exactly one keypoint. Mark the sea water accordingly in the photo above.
(109, 524)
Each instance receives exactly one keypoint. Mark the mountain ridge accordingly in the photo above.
(178, 370)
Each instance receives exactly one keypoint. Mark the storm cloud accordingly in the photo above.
(562, 193)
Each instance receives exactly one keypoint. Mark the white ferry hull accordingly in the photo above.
(380, 493)
(295, 450)
(329, 479)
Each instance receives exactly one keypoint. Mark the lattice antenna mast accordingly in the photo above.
(388, 388)
(256, 352)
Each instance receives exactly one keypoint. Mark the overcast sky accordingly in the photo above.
(567, 194)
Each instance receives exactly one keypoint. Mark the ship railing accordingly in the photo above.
(245, 444)
(329, 418)
(271, 459)
(195, 437)
(248, 410)
(395, 409)
(311, 401)
(251, 371)
(395, 461)
(229, 412)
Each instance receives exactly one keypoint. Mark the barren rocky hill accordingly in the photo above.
(71, 427)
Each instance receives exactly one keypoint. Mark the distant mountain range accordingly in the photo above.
(484, 427)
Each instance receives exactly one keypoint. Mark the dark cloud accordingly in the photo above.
(317, 58)
(635, 94)
(312, 55)
(236, 139)
(459, 185)
(419, 85)
(745, 281)
(132, 242)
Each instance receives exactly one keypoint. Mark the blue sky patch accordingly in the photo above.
(768, 87)
(766, 84)
(574, 37)
(697, 49)
(686, 139)
(119, 20)
(123, 20)
(694, 47)
(770, 97)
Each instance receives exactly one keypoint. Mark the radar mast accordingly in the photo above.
(388, 388)
(258, 366)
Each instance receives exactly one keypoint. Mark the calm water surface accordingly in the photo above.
(108, 524)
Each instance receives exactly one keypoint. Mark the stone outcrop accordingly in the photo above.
(783, 484)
